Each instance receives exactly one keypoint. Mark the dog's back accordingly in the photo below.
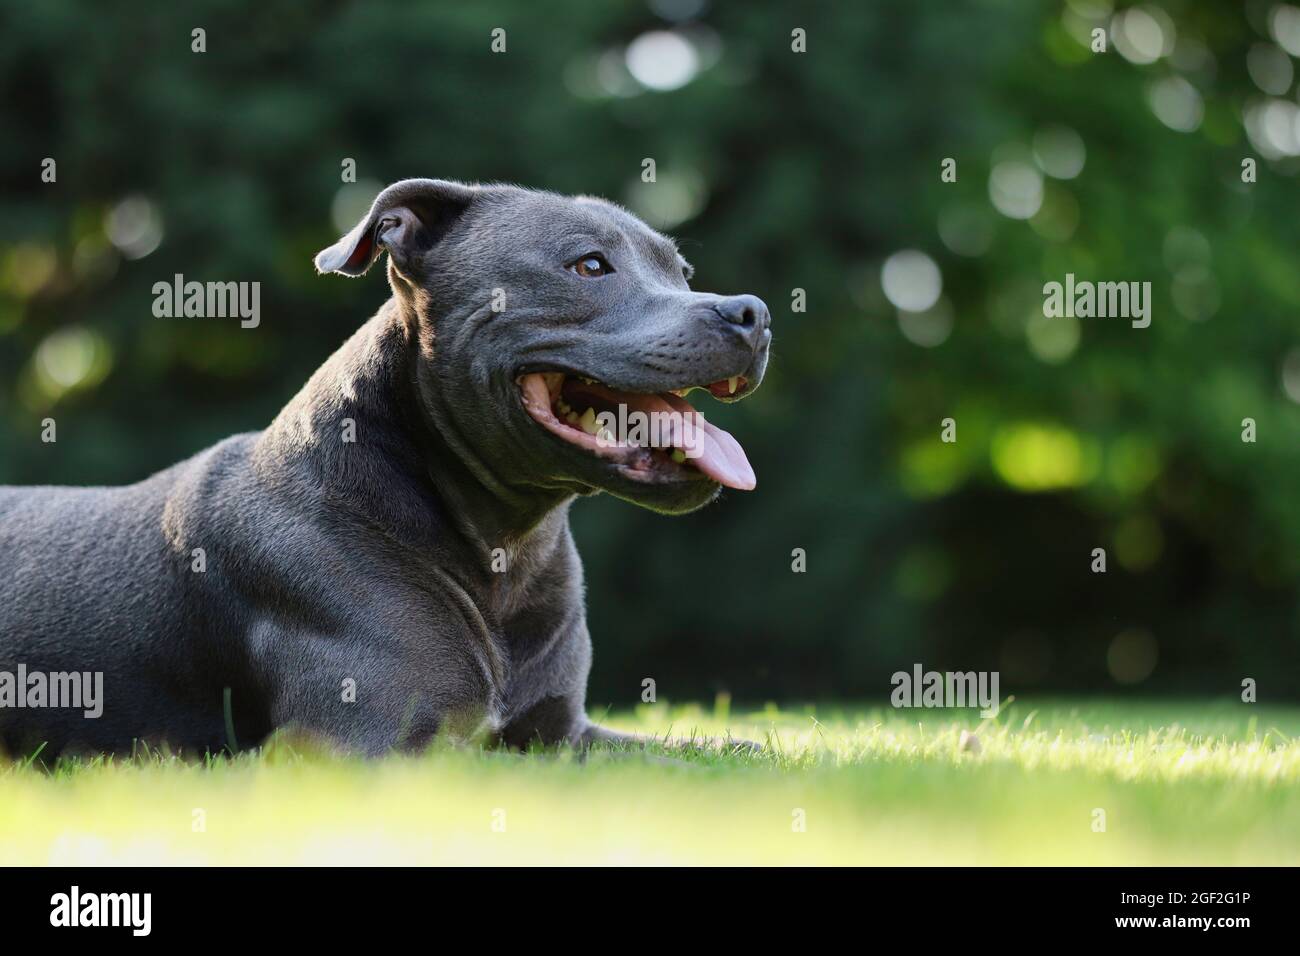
(95, 584)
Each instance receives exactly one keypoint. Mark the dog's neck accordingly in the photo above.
(419, 475)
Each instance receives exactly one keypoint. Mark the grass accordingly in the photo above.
(1179, 782)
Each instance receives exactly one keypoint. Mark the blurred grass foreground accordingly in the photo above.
(1054, 783)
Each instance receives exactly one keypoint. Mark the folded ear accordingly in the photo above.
(407, 218)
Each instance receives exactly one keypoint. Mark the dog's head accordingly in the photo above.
(550, 327)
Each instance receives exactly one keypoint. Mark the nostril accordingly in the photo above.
(744, 311)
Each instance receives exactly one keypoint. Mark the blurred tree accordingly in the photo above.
(778, 171)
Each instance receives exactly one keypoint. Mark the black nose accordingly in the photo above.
(747, 313)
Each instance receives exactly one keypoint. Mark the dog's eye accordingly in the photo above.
(592, 267)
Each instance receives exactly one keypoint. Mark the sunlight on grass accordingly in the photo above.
(1178, 783)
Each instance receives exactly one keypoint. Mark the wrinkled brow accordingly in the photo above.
(664, 252)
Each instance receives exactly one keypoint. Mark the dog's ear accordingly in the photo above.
(407, 218)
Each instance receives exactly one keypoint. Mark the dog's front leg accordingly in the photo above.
(561, 720)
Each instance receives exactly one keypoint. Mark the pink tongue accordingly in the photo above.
(724, 460)
(721, 457)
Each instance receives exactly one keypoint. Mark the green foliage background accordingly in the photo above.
(809, 170)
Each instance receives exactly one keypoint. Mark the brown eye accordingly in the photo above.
(592, 267)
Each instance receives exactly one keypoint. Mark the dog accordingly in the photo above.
(390, 560)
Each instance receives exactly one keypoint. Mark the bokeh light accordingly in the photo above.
(911, 280)
(1284, 25)
(134, 226)
(1138, 542)
(1015, 189)
(662, 60)
(1291, 375)
(27, 268)
(1132, 655)
(1143, 35)
(1176, 103)
(1033, 457)
(927, 328)
(1271, 127)
(1059, 151)
(1052, 340)
(1270, 69)
(966, 229)
(677, 195)
(73, 357)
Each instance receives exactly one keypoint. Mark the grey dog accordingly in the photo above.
(391, 558)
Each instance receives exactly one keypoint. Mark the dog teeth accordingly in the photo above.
(571, 417)
(732, 383)
(588, 422)
(681, 392)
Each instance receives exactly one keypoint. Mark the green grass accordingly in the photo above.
(1180, 783)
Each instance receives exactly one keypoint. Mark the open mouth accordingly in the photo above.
(674, 440)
